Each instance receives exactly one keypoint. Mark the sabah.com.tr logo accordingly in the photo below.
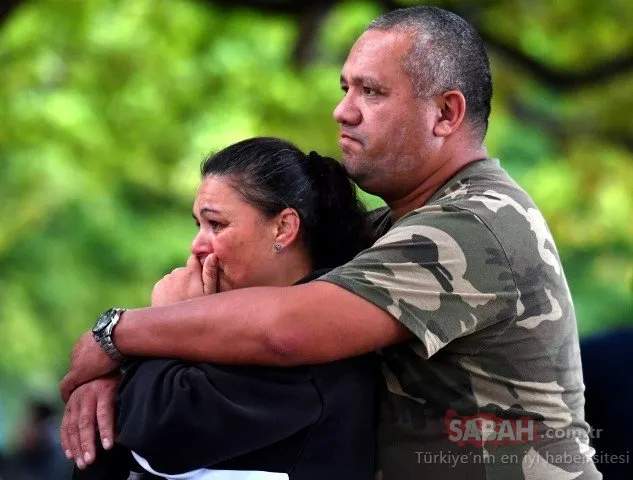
(488, 429)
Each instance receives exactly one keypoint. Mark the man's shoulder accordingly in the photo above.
(446, 221)
(475, 182)
(479, 190)
(522, 234)
(488, 192)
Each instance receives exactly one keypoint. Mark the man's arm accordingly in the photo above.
(305, 324)
(316, 322)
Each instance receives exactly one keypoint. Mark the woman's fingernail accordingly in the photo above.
(87, 457)
(107, 443)
(80, 464)
(69, 454)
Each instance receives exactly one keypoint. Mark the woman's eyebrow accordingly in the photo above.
(208, 211)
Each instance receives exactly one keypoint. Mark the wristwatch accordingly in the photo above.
(102, 332)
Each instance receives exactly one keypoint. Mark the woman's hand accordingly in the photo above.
(190, 281)
(90, 405)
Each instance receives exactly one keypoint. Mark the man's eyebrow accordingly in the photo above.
(361, 79)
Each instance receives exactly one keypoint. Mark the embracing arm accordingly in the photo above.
(304, 324)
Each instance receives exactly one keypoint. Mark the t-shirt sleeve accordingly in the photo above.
(181, 416)
(440, 271)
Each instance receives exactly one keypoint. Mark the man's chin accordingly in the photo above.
(354, 167)
(363, 178)
(350, 161)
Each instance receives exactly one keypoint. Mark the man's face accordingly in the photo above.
(385, 131)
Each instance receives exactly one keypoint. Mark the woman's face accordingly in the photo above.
(238, 233)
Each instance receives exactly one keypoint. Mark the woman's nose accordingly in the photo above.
(201, 246)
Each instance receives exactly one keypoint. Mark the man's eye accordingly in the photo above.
(369, 91)
(345, 88)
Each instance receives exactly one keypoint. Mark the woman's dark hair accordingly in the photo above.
(272, 174)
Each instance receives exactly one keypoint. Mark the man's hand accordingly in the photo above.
(191, 281)
(88, 361)
(90, 406)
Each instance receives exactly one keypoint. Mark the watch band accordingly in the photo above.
(104, 338)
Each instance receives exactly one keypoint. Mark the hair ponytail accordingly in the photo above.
(338, 229)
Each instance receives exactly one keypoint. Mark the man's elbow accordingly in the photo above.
(285, 349)
(291, 343)
(285, 343)
(303, 328)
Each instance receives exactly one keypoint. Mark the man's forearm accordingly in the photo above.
(313, 323)
(194, 329)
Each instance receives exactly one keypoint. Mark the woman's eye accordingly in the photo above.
(215, 225)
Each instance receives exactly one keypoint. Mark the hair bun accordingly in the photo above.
(314, 156)
(317, 165)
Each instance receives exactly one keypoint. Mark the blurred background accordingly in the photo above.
(108, 107)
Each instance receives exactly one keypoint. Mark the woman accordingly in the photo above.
(269, 216)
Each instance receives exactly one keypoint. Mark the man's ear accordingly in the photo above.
(288, 226)
(452, 108)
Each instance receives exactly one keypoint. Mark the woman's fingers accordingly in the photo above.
(210, 274)
(89, 407)
(106, 399)
(63, 433)
(76, 409)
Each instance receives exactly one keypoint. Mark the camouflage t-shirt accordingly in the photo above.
(492, 386)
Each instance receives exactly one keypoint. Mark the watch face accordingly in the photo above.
(103, 321)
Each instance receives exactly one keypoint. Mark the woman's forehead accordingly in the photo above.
(216, 186)
(217, 193)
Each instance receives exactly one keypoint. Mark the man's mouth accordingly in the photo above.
(347, 136)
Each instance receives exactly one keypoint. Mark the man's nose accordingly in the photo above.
(346, 112)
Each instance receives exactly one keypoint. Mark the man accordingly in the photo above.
(463, 293)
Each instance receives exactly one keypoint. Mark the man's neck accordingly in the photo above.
(419, 196)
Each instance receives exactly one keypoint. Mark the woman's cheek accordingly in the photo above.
(223, 286)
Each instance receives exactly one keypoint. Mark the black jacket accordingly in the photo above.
(312, 422)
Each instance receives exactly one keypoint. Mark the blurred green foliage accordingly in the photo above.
(108, 107)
